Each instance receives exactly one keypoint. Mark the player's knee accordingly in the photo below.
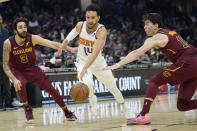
(182, 104)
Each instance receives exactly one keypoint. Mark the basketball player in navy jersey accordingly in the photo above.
(183, 71)
(19, 63)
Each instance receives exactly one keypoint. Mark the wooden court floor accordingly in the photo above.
(164, 116)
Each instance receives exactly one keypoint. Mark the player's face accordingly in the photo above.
(92, 19)
(150, 28)
(21, 30)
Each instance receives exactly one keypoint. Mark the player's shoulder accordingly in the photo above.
(7, 43)
(79, 24)
(160, 36)
(101, 29)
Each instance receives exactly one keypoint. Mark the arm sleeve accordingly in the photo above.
(72, 34)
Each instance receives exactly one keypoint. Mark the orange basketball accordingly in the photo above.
(79, 92)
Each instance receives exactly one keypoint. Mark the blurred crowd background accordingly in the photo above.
(54, 19)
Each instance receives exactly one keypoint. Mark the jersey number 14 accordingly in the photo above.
(87, 50)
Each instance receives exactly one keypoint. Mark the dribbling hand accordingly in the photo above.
(74, 50)
(17, 85)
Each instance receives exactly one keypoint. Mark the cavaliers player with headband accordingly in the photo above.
(19, 63)
(90, 62)
(183, 71)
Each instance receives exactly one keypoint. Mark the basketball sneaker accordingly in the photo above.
(140, 120)
(93, 105)
(70, 116)
(29, 113)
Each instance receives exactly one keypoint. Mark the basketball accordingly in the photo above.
(79, 92)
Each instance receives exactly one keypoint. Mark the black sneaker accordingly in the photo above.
(8, 107)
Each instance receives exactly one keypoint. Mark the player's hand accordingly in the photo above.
(83, 72)
(17, 85)
(112, 67)
(59, 52)
(74, 50)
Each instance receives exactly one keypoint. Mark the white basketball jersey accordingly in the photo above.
(86, 48)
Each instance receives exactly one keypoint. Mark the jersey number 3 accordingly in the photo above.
(24, 58)
(87, 50)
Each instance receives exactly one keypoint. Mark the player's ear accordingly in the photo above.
(157, 25)
(98, 18)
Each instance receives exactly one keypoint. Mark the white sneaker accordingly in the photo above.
(127, 112)
(17, 104)
(93, 105)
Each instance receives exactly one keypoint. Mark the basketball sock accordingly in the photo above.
(65, 109)
(151, 93)
(146, 107)
(93, 105)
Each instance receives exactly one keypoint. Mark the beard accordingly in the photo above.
(92, 26)
(22, 35)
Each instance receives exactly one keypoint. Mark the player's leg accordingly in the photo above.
(23, 95)
(88, 80)
(47, 86)
(106, 77)
(186, 91)
(174, 74)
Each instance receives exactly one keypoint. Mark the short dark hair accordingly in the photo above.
(155, 18)
(94, 7)
(20, 19)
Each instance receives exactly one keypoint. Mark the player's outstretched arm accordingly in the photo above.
(73, 33)
(37, 40)
(158, 41)
(6, 68)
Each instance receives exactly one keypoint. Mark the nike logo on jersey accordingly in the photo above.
(15, 48)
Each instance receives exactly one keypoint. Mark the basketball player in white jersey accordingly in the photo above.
(92, 37)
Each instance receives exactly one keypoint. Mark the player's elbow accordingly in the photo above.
(5, 67)
(136, 55)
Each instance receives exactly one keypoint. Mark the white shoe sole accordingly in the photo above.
(30, 121)
(68, 119)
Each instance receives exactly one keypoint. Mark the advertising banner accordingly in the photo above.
(131, 82)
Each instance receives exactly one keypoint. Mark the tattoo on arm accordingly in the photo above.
(6, 57)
